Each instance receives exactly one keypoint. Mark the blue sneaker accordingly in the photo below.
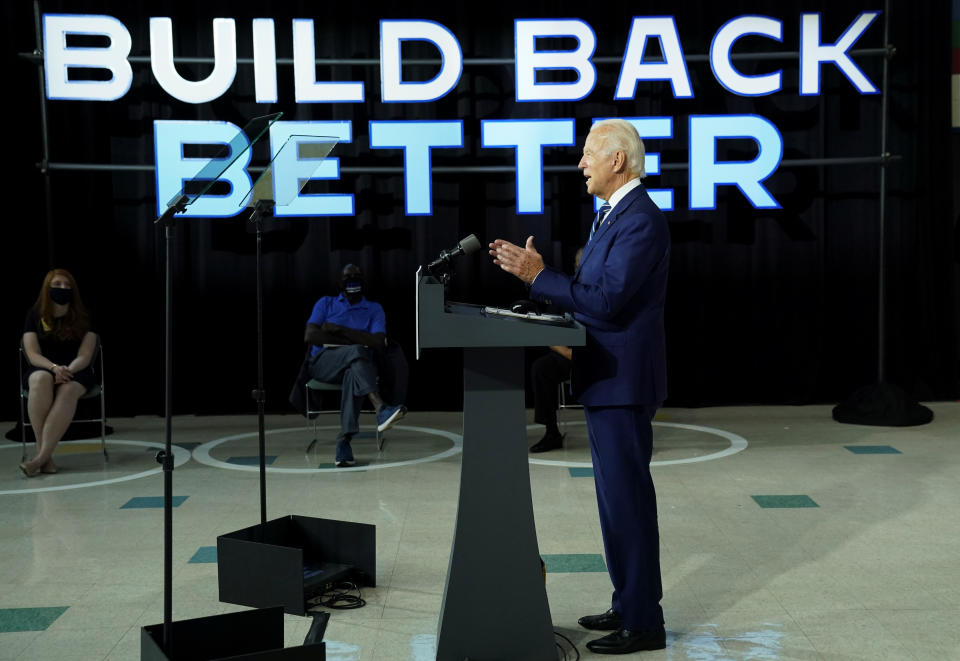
(389, 416)
(344, 453)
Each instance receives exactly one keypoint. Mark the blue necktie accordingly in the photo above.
(601, 214)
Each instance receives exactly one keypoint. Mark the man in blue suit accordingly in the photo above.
(619, 376)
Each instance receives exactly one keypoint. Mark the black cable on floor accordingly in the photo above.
(572, 647)
(339, 597)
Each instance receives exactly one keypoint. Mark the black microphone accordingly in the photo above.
(466, 246)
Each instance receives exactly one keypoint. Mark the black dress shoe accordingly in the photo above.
(548, 442)
(623, 641)
(609, 621)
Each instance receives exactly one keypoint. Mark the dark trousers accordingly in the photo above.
(394, 373)
(546, 375)
(353, 367)
(621, 442)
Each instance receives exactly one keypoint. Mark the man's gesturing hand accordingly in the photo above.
(525, 263)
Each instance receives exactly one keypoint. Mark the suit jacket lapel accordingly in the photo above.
(607, 224)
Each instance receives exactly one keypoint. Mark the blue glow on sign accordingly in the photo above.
(529, 59)
(416, 139)
(290, 169)
(813, 53)
(393, 88)
(672, 67)
(173, 168)
(723, 69)
(528, 137)
(58, 59)
(706, 173)
(194, 91)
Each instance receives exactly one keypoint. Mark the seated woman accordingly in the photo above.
(59, 343)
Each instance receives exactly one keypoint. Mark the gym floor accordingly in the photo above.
(784, 535)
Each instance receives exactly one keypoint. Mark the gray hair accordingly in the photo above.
(619, 134)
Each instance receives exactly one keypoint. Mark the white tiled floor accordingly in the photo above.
(873, 572)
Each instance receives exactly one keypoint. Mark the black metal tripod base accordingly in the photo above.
(882, 404)
(252, 635)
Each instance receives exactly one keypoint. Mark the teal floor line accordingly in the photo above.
(151, 501)
(29, 619)
(872, 449)
(205, 554)
(785, 501)
(570, 563)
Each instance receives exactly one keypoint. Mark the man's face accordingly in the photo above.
(351, 282)
(597, 167)
(350, 272)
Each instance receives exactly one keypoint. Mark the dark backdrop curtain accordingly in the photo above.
(763, 306)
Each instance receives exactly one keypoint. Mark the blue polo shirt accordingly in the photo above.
(364, 315)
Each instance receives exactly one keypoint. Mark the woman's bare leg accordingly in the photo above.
(39, 401)
(58, 419)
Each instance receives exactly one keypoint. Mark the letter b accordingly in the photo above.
(58, 59)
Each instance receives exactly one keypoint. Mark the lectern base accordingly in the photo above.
(494, 603)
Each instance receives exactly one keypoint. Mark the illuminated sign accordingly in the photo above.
(527, 138)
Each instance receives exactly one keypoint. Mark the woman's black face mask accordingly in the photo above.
(61, 296)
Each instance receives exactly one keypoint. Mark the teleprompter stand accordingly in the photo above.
(287, 561)
(252, 635)
(494, 602)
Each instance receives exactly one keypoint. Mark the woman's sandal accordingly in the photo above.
(49, 468)
(27, 472)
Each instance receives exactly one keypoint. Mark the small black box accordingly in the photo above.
(287, 561)
(255, 635)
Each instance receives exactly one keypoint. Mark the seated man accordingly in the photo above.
(360, 326)
(546, 374)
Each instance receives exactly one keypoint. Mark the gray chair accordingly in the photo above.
(322, 386)
(95, 391)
